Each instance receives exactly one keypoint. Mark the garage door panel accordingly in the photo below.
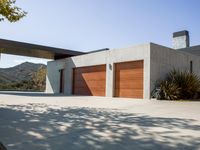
(130, 84)
(90, 91)
(84, 91)
(128, 76)
(129, 71)
(129, 93)
(129, 79)
(91, 69)
(128, 68)
(128, 65)
(95, 76)
(98, 92)
(92, 84)
(89, 80)
(81, 91)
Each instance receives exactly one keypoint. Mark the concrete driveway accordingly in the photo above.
(31, 121)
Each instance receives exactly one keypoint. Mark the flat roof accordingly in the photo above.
(195, 50)
(33, 50)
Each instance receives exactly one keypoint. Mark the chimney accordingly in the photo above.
(181, 39)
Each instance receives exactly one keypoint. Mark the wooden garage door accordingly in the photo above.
(129, 79)
(89, 80)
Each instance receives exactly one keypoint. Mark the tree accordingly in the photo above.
(39, 78)
(9, 11)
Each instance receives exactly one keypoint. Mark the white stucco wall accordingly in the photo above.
(164, 59)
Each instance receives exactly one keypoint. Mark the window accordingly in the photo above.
(191, 67)
(61, 80)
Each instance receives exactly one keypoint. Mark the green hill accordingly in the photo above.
(23, 77)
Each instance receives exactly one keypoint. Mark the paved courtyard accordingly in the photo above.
(30, 121)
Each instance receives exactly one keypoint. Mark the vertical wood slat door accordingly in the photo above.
(89, 81)
(129, 79)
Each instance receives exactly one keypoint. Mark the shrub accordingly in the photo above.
(178, 85)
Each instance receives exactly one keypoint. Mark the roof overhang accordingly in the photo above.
(33, 50)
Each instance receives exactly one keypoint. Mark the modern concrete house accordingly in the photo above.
(126, 72)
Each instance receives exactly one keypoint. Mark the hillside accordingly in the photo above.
(19, 75)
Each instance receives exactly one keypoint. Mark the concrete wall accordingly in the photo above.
(141, 52)
(194, 50)
(53, 75)
(158, 61)
(164, 59)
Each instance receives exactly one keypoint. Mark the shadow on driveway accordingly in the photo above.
(44, 127)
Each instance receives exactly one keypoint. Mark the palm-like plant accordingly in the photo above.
(179, 85)
(169, 91)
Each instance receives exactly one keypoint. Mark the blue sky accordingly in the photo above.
(85, 25)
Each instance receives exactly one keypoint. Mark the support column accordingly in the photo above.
(109, 77)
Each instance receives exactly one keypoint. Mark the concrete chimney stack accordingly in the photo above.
(181, 39)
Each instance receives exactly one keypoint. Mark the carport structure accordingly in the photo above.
(38, 51)
(33, 50)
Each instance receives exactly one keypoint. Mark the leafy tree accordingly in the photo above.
(39, 78)
(36, 83)
(9, 11)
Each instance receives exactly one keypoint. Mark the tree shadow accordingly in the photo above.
(44, 127)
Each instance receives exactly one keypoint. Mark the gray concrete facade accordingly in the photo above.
(164, 59)
(195, 50)
(158, 60)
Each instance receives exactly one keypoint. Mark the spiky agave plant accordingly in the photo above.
(189, 83)
(169, 91)
(179, 85)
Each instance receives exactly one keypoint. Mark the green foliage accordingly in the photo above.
(19, 86)
(189, 83)
(39, 78)
(37, 83)
(178, 85)
(9, 11)
(169, 91)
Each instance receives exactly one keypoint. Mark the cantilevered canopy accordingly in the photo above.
(33, 50)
